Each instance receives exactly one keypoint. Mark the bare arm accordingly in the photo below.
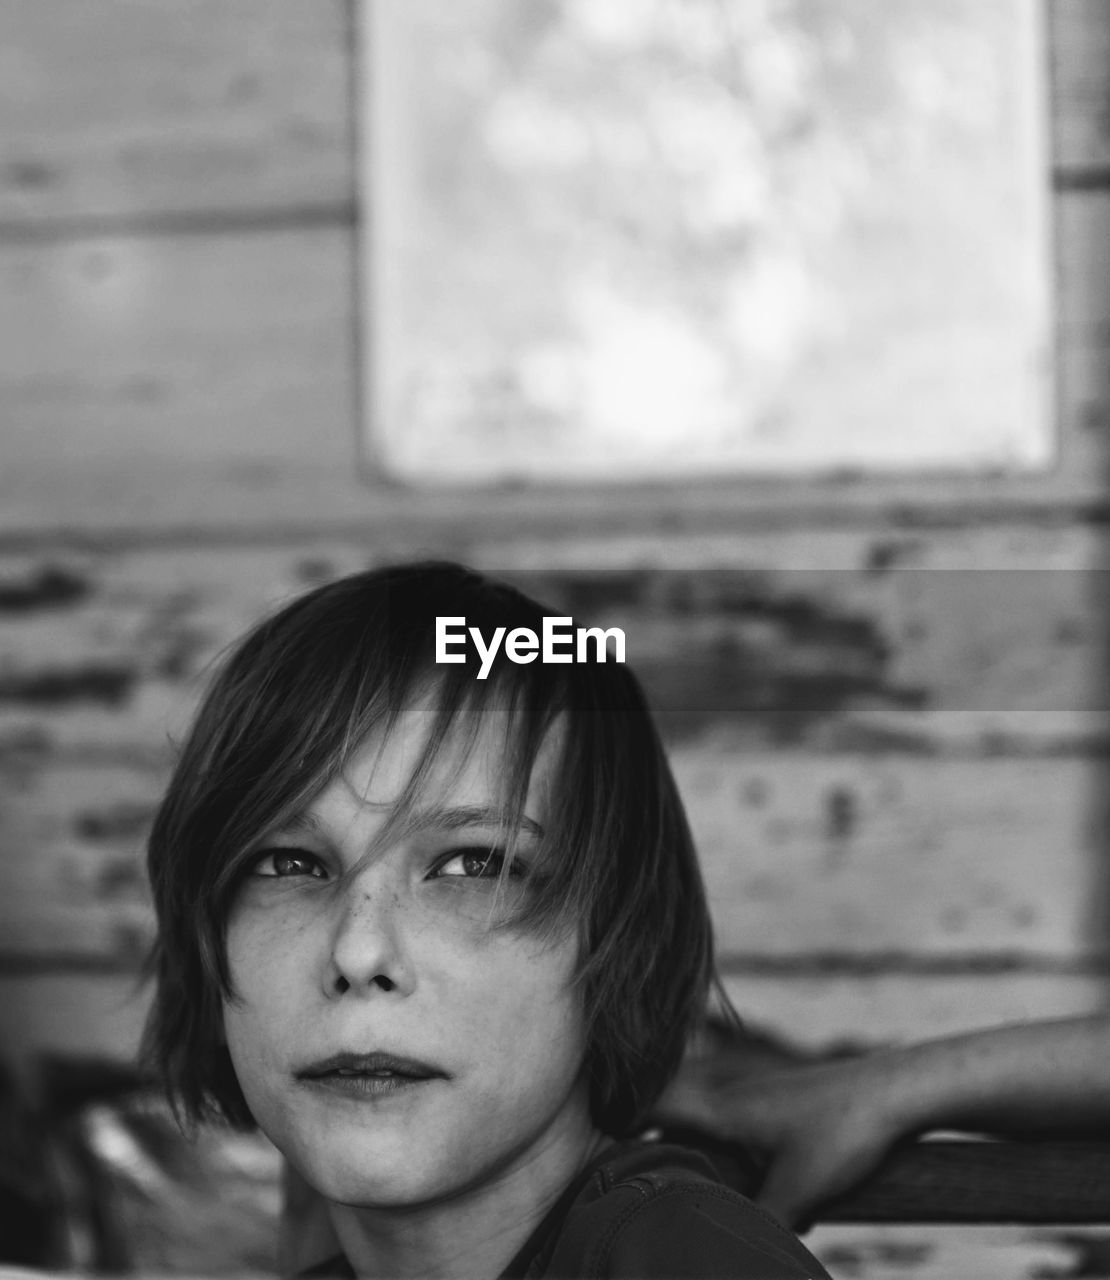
(1035, 1079)
(823, 1128)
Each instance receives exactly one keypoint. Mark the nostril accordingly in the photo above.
(386, 984)
(342, 985)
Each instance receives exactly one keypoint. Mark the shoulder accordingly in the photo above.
(660, 1211)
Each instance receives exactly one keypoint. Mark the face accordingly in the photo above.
(393, 1044)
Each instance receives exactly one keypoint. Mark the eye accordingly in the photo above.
(474, 864)
(284, 864)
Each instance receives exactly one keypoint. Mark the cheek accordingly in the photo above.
(245, 960)
(261, 975)
(525, 1004)
(264, 945)
(258, 1040)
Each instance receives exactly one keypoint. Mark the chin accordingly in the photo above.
(385, 1192)
(371, 1181)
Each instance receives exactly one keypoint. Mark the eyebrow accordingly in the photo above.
(452, 817)
(441, 817)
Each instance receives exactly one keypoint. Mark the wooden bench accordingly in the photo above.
(952, 1180)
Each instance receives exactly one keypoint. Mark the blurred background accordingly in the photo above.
(854, 532)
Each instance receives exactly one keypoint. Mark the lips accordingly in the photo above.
(353, 1067)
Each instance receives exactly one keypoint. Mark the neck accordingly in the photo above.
(475, 1233)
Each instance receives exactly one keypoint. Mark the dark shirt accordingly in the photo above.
(651, 1211)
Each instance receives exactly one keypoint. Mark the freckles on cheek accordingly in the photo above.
(262, 943)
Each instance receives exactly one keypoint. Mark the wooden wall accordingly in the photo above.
(887, 701)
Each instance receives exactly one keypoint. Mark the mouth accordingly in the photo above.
(368, 1074)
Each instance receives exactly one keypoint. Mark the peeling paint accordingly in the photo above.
(716, 645)
(121, 876)
(178, 661)
(28, 173)
(24, 748)
(131, 941)
(121, 821)
(109, 685)
(695, 689)
(841, 813)
(885, 554)
(315, 571)
(953, 920)
(51, 587)
(754, 792)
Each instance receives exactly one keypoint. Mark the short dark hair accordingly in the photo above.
(293, 701)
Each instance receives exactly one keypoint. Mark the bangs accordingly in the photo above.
(329, 689)
(516, 717)
(612, 821)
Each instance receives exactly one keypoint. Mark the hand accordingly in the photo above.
(824, 1129)
(820, 1128)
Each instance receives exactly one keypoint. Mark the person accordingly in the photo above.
(821, 1128)
(437, 927)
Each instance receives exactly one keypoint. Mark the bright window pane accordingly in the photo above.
(667, 238)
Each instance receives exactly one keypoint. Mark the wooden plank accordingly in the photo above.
(1080, 38)
(115, 671)
(71, 841)
(1083, 260)
(206, 367)
(820, 1012)
(984, 1182)
(959, 643)
(951, 1181)
(127, 109)
(887, 854)
(811, 647)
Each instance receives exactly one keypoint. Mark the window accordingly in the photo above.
(681, 238)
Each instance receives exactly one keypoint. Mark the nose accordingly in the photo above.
(367, 947)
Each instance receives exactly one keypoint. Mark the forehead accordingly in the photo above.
(471, 763)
